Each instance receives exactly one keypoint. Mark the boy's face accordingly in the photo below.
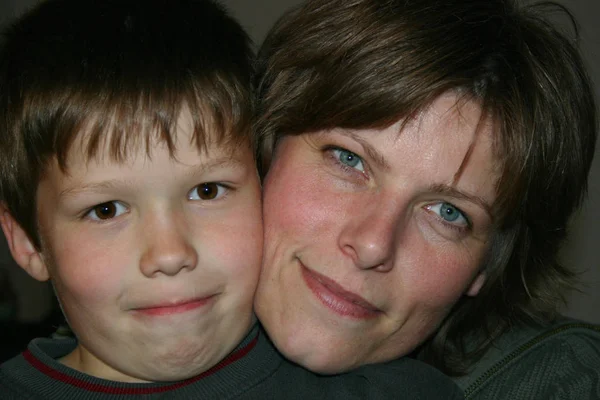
(154, 260)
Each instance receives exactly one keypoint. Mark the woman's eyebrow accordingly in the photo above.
(452, 191)
(371, 151)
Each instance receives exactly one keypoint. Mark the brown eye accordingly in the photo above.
(106, 210)
(207, 191)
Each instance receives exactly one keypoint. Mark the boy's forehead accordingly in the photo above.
(120, 144)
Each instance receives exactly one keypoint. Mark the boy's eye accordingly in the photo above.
(207, 191)
(449, 213)
(106, 211)
(348, 158)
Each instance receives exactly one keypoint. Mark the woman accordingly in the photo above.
(424, 158)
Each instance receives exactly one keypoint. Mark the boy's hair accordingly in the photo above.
(115, 73)
(368, 63)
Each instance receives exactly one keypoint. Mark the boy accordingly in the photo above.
(128, 180)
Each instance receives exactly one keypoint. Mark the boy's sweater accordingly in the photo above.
(254, 370)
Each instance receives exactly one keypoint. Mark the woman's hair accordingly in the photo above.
(115, 73)
(361, 64)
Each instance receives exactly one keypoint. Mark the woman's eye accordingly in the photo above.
(108, 210)
(348, 158)
(207, 191)
(449, 213)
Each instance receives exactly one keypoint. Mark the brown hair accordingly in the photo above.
(368, 63)
(119, 72)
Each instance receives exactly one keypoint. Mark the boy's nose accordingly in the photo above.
(167, 250)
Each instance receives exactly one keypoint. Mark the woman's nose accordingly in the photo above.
(369, 236)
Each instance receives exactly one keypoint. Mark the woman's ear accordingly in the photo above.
(476, 284)
(22, 248)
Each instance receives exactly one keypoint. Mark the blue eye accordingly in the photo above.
(348, 158)
(207, 191)
(449, 213)
(108, 210)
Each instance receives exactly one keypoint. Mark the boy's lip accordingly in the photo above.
(336, 297)
(175, 306)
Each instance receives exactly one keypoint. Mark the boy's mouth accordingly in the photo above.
(176, 307)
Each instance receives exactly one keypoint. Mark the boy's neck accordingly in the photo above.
(80, 359)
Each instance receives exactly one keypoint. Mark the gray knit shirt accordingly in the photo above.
(254, 371)
(560, 361)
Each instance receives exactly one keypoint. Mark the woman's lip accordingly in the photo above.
(178, 307)
(336, 298)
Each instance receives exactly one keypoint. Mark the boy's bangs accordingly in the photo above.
(125, 123)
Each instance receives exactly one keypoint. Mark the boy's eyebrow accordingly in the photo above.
(230, 162)
(459, 194)
(94, 187)
(225, 162)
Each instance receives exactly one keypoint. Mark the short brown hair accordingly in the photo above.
(121, 71)
(360, 64)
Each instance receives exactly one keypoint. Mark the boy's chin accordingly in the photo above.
(168, 364)
(187, 360)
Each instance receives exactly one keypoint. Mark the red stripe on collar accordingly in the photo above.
(94, 387)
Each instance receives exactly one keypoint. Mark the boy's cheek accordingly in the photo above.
(234, 249)
(78, 260)
(83, 279)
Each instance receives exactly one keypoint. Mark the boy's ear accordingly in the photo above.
(22, 248)
(476, 284)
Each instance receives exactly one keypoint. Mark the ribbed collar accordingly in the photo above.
(38, 370)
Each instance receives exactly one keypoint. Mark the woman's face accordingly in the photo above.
(373, 235)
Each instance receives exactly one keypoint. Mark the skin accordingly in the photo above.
(371, 235)
(154, 260)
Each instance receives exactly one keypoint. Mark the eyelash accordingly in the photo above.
(459, 228)
(220, 186)
(89, 213)
(328, 150)
(363, 175)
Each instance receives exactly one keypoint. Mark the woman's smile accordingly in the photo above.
(336, 298)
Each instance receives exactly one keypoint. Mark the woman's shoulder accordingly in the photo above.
(560, 360)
